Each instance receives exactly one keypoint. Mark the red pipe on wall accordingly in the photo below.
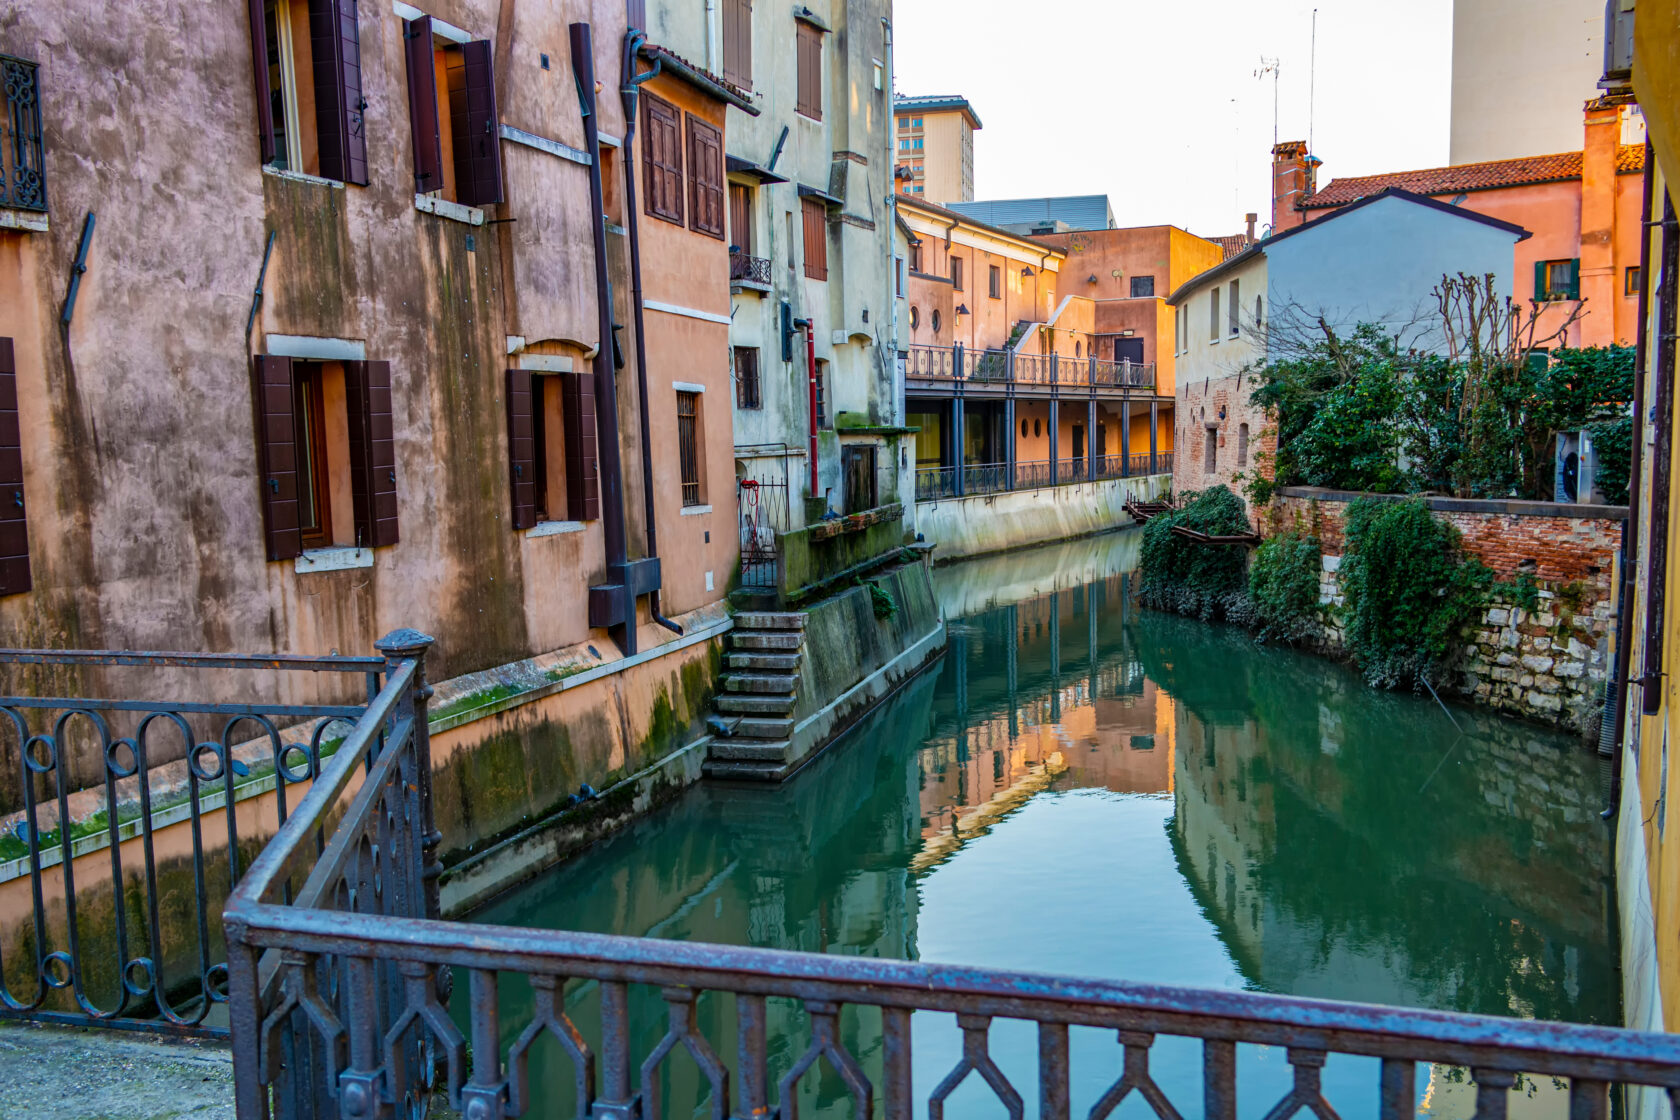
(811, 371)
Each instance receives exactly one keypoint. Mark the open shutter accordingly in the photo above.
(522, 448)
(14, 528)
(1575, 278)
(737, 42)
(277, 455)
(259, 70)
(808, 100)
(583, 491)
(473, 124)
(335, 43)
(1540, 280)
(705, 177)
(423, 105)
(662, 173)
(373, 456)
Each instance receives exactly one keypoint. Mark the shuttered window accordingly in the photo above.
(737, 42)
(260, 48)
(335, 47)
(662, 172)
(583, 498)
(522, 451)
(473, 125)
(373, 457)
(277, 453)
(748, 393)
(740, 218)
(1557, 279)
(423, 105)
(816, 237)
(957, 273)
(705, 178)
(14, 527)
(808, 46)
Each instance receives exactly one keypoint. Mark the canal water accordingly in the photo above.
(1088, 789)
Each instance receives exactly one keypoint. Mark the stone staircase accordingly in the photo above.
(753, 727)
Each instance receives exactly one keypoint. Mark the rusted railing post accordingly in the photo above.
(397, 647)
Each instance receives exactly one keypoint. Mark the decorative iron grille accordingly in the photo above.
(688, 446)
(23, 175)
(748, 268)
(764, 514)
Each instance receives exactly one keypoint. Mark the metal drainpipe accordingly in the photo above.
(628, 92)
(811, 375)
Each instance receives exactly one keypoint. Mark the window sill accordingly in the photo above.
(334, 559)
(554, 529)
(31, 220)
(694, 511)
(454, 211)
(300, 177)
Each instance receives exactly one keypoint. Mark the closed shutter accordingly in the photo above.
(705, 177)
(662, 173)
(335, 43)
(14, 527)
(737, 42)
(472, 120)
(259, 69)
(809, 59)
(423, 105)
(277, 455)
(522, 449)
(816, 238)
(373, 454)
(583, 497)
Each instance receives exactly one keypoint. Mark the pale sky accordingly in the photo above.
(1157, 104)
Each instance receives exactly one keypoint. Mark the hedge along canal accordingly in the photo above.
(1085, 788)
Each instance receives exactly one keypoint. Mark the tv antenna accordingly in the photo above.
(1273, 67)
(1312, 81)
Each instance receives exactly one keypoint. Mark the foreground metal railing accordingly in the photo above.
(339, 977)
(121, 832)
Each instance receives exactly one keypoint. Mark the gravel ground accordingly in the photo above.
(49, 1072)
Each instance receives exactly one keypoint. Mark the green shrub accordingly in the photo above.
(1283, 589)
(881, 600)
(1410, 591)
(1201, 580)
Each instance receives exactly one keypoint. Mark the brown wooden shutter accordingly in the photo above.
(473, 124)
(14, 527)
(740, 217)
(662, 173)
(423, 105)
(522, 448)
(259, 69)
(373, 453)
(808, 58)
(277, 455)
(705, 177)
(335, 44)
(816, 238)
(737, 42)
(583, 471)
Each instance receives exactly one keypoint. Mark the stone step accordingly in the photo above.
(755, 705)
(744, 771)
(765, 684)
(769, 620)
(750, 750)
(774, 662)
(762, 727)
(769, 641)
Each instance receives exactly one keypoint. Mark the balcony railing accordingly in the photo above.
(937, 483)
(23, 184)
(1009, 368)
(745, 268)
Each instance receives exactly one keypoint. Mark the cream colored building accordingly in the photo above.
(1521, 70)
(934, 151)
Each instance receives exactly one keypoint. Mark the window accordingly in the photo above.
(1242, 445)
(1143, 286)
(308, 65)
(741, 219)
(916, 122)
(662, 173)
(903, 122)
(689, 448)
(1078, 348)
(918, 146)
(994, 280)
(822, 393)
(14, 526)
(816, 237)
(1210, 450)
(916, 257)
(705, 178)
(898, 274)
(957, 273)
(1213, 315)
(808, 46)
(327, 454)
(1631, 281)
(1234, 305)
(1557, 280)
(552, 463)
(747, 393)
(936, 321)
(737, 43)
(915, 318)
(452, 107)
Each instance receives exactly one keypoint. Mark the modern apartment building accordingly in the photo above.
(1042, 215)
(934, 156)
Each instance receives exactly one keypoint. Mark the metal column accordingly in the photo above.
(1009, 448)
(959, 440)
(1125, 437)
(1154, 424)
(1091, 438)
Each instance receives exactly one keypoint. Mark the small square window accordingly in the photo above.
(1143, 286)
(1631, 281)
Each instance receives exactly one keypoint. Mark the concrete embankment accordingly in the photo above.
(986, 523)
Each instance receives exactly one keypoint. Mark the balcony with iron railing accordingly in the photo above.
(748, 271)
(957, 368)
(939, 483)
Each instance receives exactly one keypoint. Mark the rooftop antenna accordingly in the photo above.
(1273, 67)
(1312, 81)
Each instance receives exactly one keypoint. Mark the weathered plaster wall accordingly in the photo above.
(976, 526)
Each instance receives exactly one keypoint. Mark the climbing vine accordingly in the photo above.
(1179, 575)
(1283, 589)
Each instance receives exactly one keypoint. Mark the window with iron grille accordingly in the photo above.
(747, 393)
(23, 183)
(688, 446)
(822, 393)
(808, 56)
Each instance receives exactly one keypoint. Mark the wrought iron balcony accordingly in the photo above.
(23, 182)
(744, 268)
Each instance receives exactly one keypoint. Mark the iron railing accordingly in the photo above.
(1004, 367)
(124, 825)
(748, 268)
(937, 483)
(933, 483)
(23, 182)
(764, 514)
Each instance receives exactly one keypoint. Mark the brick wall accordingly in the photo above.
(1547, 664)
(1197, 420)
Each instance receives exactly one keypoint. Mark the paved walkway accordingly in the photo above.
(48, 1072)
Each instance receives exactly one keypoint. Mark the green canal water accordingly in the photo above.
(1087, 789)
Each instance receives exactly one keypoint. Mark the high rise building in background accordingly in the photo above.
(1520, 71)
(935, 151)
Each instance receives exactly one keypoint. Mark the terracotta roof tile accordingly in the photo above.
(1467, 177)
(1232, 244)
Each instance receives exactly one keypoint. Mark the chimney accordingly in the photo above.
(1252, 218)
(1294, 177)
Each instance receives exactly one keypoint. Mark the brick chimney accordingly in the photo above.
(1294, 177)
(1252, 218)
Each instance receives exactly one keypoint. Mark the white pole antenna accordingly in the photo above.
(1273, 67)
(1312, 82)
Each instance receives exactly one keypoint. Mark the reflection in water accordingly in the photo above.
(1085, 789)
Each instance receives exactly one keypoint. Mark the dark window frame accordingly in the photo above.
(994, 282)
(1143, 287)
(689, 448)
(749, 386)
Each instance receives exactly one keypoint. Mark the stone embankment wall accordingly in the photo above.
(1548, 663)
(982, 524)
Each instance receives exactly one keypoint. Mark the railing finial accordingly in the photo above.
(404, 643)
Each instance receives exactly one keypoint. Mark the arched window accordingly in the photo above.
(1038, 427)
(936, 320)
(1242, 445)
(1025, 428)
(1078, 349)
(915, 318)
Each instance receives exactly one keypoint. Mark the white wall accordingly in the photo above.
(1520, 71)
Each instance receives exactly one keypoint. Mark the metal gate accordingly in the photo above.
(764, 513)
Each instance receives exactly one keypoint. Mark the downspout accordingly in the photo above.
(811, 372)
(628, 92)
